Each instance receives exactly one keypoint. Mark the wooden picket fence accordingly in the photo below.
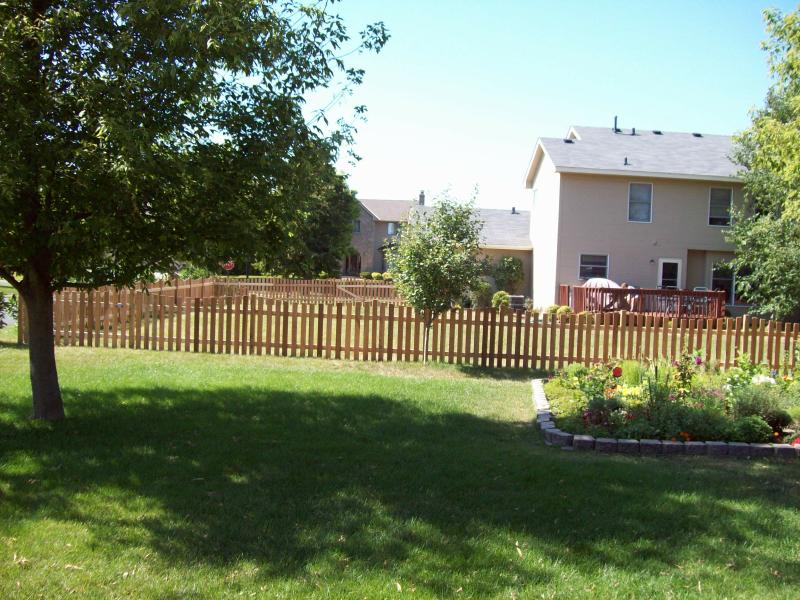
(274, 288)
(380, 331)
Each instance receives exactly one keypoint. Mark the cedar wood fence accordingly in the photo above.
(323, 290)
(386, 331)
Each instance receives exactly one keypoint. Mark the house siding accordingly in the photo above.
(526, 256)
(594, 220)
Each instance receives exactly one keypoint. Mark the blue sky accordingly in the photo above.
(463, 89)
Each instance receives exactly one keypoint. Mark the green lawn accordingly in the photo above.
(181, 475)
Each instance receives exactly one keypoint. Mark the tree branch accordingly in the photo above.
(9, 277)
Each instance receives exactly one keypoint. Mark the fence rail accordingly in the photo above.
(275, 288)
(381, 331)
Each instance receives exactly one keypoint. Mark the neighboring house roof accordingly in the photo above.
(599, 150)
(387, 210)
(502, 229)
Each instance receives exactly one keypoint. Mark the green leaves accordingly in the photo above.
(137, 133)
(767, 231)
(435, 260)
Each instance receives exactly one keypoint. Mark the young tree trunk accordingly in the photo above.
(47, 403)
(425, 335)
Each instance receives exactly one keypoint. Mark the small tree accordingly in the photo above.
(435, 260)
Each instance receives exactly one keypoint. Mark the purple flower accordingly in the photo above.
(698, 361)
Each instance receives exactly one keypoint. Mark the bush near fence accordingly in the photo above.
(386, 331)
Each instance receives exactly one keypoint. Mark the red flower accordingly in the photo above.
(617, 372)
(795, 442)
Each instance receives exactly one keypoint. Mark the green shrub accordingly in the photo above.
(323, 275)
(633, 372)
(638, 429)
(752, 429)
(552, 309)
(364, 275)
(759, 399)
(576, 370)
(528, 304)
(481, 295)
(387, 276)
(507, 273)
(500, 298)
(563, 310)
(377, 276)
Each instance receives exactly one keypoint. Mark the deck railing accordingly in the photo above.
(662, 302)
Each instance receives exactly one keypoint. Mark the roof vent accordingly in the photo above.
(513, 210)
(633, 131)
(658, 132)
(626, 163)
(569, 141)
(697, 134)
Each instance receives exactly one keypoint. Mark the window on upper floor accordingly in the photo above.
(356, 226)
(392, 228)
(593, 265)
(640, 202)
(720, 201)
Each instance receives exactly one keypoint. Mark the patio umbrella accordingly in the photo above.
(600, 282)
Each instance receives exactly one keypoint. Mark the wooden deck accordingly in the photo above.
(658, 302)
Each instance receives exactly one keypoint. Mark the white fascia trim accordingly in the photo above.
(539, 153)
(651, 174)
(494, 247)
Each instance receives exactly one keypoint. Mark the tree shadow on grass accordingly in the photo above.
(287, 479)
(503, 374)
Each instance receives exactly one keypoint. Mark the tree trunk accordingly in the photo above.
(47, 403)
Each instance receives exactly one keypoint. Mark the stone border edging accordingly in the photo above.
(555, 437)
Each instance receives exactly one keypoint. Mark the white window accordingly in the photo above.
(640, 202)
(719, 206)
(392, 229)
(593, 265)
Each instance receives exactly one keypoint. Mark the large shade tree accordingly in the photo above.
(766, 230)
(133, 133)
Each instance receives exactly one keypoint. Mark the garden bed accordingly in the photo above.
(683, 407)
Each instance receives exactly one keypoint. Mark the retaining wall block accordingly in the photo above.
(606, 444)
(583, 442)
(651, 446)
(761, 450)
(695, 448)
(547, 425)
(561, 438)
(670, 447)
(738, 449)
(785, 451)
(628, 446)
(717, 448)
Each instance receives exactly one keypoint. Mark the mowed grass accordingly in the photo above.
(180, 475)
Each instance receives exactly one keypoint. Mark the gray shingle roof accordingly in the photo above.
(669, 154)
(388, 210)
(501, 227)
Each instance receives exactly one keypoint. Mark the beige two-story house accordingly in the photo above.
(644, 207)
